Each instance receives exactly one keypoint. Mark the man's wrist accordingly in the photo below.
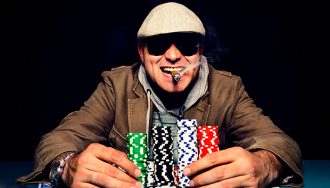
(56, 168)
(272, 165)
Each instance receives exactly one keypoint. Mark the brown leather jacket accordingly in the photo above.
(119, 105)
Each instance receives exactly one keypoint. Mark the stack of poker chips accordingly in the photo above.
(208, 140)
(193, 142)
(138, 153)
(150, 173)
(163, 156)
(187, 147)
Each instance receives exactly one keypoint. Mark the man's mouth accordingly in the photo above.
(170, 70)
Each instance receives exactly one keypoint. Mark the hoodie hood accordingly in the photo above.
(198, 90)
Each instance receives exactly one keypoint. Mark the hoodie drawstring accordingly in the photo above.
(148, 115)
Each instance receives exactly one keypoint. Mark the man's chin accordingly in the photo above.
(172, 87)
(173, 90)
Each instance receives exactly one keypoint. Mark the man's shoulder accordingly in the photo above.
(122, 67)
(122, 76)
(222, 83)
(120, 70)
(222, 73)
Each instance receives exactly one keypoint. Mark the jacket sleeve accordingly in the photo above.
(76, 131)
(249, 128)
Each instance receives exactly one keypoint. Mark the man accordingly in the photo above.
(174, 81)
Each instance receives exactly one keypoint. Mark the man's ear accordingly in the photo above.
(200, 50)
(140, 50)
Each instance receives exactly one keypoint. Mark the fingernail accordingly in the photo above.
(191, 183)
(186, 171)
(137, 172)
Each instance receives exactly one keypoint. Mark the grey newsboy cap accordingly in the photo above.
(170, 18)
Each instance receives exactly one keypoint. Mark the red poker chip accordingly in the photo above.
(208, 140)
(203, 151)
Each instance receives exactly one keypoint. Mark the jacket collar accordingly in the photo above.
(137, 107)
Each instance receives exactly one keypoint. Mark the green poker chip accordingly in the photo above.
(138, 153)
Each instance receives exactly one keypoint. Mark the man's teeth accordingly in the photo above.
(170, 69)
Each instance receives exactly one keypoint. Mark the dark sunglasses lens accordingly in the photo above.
(188, 48)
(156, 48)
(187, 44)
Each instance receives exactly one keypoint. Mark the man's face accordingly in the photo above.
(162, 55)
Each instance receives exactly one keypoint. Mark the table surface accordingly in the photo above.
(316, 173)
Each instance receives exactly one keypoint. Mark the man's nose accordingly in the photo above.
(173, 54)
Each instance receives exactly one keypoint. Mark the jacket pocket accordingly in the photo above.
(118, 140)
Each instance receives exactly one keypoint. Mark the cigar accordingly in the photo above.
(176, 76)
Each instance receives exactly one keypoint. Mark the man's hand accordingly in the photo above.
(94, 167)
(234, 167)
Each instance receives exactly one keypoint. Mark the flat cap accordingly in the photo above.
(170, 17)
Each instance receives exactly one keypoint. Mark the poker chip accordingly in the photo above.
(176, 175)
(187, 147)
(163, 156)
(208, 140)
(150, 173)
(138, 153)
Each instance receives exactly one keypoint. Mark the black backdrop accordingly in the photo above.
(54, 52)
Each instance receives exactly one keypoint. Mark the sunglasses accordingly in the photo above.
(187, 44)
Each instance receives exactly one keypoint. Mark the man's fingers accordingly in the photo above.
(103, 180)
(214, 159)
(86, 185)
(239, 181)
(110, 170)
(211, 160)
(107, 181)
(113, 156)
(218, 173)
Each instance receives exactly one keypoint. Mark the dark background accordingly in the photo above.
(54, 51)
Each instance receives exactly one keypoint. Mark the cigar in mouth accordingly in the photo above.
(176, 76)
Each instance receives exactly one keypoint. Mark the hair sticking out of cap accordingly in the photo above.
(176, 75)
